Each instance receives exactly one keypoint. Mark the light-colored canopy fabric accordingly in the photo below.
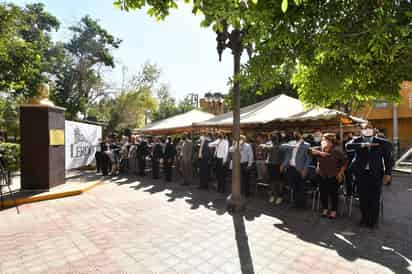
(178, 122)
(280, 108)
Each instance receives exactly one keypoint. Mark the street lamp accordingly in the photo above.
(147, 113)
(233, 40)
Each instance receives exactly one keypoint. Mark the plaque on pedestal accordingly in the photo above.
(42, 146)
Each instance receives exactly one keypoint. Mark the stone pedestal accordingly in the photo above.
(42, 147)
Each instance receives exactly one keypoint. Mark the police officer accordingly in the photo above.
(371, 166)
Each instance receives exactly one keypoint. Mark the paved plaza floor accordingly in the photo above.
(135, 225)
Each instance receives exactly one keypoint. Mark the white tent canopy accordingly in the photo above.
(178, 122)
(280, 108)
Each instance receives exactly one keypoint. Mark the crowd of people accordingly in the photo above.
(286, 162)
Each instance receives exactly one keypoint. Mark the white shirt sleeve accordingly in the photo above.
(249, 155)
(214, 143)
(225, 150)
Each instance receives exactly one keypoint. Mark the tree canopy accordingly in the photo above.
(25, 46)
(81, 62)
(340, 50)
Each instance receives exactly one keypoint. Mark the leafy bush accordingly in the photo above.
(11, 155)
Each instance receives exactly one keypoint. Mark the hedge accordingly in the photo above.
(11, 155)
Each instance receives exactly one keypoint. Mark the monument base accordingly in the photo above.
(42, 147)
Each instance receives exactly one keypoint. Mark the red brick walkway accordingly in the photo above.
(133, 226)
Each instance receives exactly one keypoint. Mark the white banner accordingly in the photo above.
(81, 141)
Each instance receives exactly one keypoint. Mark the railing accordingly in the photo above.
(404, 164)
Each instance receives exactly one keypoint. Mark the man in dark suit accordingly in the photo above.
(142, 152)
(157, 154)
(296, 161)
(105, 161)
(205, 156)
(168, 158)
(371, 165)
(98, 156)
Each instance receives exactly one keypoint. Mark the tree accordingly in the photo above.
(132, 106)
(253, 91)
(25, 46)
(167, 104)
(234, 23)
(82, 59)
(344, 52)
(364, 54)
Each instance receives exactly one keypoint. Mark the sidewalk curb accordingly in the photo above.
(50, 196)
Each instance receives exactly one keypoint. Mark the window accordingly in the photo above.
(381, 104)
(410, 100)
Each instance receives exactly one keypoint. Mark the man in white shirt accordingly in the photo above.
(246, 161)
(221, 145)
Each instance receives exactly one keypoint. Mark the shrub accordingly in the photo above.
(11, 155)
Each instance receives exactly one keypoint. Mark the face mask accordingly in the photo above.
(367, 132)
(317, 139)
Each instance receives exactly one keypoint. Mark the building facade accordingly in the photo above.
(381, 115)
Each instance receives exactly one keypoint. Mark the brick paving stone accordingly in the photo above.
(137, 227)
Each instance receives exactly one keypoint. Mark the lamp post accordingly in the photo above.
(146, 116)
(233, 40)
(395, 131)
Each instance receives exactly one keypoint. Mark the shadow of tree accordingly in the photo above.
(351, 243)
(385, 246)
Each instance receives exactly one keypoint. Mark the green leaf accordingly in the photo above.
(284, 5)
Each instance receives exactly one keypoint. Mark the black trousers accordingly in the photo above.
(329, 189)
(276, 179)
(244, 179)
(220, 176)
(297, 184)
(349, 182)
(168, 169)
(98, 157)
(204, 173)
(155, 168)
(106, 164)
(124, 166)
(142, 166)
(370, 189)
